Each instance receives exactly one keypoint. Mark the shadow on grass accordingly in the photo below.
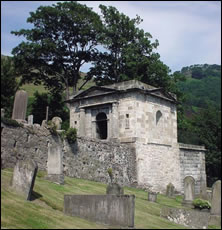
(35, 196)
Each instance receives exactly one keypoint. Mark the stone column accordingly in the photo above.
(115, 121)
(82, 123)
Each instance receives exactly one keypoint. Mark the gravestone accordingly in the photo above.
(24, 177)
(54, 165)
(152, 196)
(114, 189)
(203, 188)
(30, 119)
(170, 190)
(189, 194)
(2, 112)
(216, 199)
(57, 122)
(20, 105)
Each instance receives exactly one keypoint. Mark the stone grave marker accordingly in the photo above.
(30, 119)
(189, 194)
(24, 177)
(54, 165)
(203, 188)
(170, 190)
(114, 189)
(216, 199)
(20, 105)
(152, 196)
(3, 113)
(57, 121)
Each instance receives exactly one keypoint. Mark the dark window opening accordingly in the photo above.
(101, 125)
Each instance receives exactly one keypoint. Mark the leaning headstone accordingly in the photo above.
(57, 122)
(30, 119)
(20, 105)
(189, 194)
(54, 165)
(152, 196)
(170, 190)
(24, 177)
(216, 199)
(114, 189)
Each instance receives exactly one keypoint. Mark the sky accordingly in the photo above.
(189, 32)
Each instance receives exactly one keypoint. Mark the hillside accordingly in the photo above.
(202, 86)
(46, 209)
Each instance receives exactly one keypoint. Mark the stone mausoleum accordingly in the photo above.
(145, 118)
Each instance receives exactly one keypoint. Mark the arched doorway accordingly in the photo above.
(101, 126)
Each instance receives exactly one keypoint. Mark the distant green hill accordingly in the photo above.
(202, 86)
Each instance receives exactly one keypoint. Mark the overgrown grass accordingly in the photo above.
(45, 211)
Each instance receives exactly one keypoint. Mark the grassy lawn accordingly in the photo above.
(45, 211)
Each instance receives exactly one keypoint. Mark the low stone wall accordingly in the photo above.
(108, 209)
(189, 218)
(90, 159)
(86, 158)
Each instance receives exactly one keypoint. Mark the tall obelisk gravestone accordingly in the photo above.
(20, 105)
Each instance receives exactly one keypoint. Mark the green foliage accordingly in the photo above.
(63, 38)
(52, 128)
(56, 107)
(71, 135)
(110, 172)
(10, 122)
(129, 52)
(9, 85)
(201, 204)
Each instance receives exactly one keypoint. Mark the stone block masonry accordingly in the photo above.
(135, 164)
(115, 210)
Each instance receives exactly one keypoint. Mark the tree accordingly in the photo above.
(64, 37)
(207, 125)
(129, 52)
(9, 85)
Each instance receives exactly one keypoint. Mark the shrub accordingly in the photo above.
(52, 128)
(201, 204)
(71, 135)
(110, 172)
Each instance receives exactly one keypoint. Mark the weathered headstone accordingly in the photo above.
(20, 105)
(152, 196)
(203, 188)
(57, 122)
(44, 124)
(24, 177)
(170, 190)
(30, 119)
(55, 167)
(216, 199)
(189, 194)
(2, 112)
(114, 189)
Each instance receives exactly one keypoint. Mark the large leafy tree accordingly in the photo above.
(9, 85)
(63, 38)
(129, 52)
(207, 126)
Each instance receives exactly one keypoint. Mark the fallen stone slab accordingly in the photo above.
(114, 210)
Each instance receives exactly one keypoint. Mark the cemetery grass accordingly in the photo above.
(45, 210)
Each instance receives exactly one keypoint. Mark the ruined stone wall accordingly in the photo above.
(87, 158)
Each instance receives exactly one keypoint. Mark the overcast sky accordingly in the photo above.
(189, 32)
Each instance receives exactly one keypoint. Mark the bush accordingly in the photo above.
(201, 204)
(71, 135)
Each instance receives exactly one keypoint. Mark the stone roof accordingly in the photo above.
(123, 87)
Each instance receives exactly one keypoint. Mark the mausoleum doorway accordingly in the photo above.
(101, 126)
